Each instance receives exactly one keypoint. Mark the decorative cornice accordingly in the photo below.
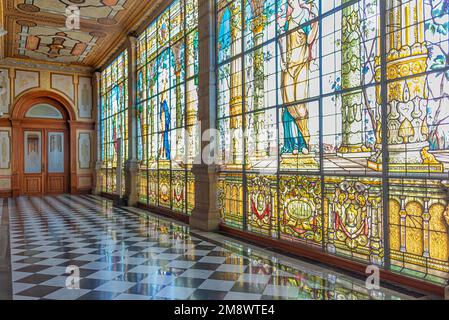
(136, 27)
(33, 64)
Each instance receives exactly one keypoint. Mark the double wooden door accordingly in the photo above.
(45, 161)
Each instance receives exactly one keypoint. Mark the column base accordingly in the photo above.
(96, 190)
(205, 216)
(132, 168)
(210, 224)
(291, 161)
(408, 167)
(354, 151)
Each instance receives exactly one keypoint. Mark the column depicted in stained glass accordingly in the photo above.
(408, 92)
(351, 77)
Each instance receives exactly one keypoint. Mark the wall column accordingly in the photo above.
(206, 215)
(98, 162)
(15, 170)
(132, 163)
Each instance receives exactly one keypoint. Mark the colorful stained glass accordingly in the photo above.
(419, 225)
(230, 199)
(310, 121)
(261, 212)
(353, 218)
(301, 218)
(167, 85)
(114, 123)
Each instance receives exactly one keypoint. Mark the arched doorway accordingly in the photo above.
(41, 154)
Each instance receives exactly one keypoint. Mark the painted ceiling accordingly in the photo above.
(46, 30)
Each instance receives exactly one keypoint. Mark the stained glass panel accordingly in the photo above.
(419, 225)
(353, 218)
(301, 216)
(114, 123)
(261, 212)
(168, 107)
(310, 121)
(230, 199)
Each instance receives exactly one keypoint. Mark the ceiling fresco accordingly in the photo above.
(46, 30)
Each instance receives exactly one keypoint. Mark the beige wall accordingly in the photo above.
(75, 87)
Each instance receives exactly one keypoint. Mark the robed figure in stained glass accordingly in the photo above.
(115, 100)
(296, 58)
(163, 75)
(165, 123)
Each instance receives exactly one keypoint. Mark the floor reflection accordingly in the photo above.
(124, 253)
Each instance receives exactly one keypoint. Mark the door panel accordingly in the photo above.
(33, 152)
(56, 162)
(33, 175)
(33, 185)
(55, 152)
(55, 184)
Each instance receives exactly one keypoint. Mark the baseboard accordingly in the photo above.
(6, 194)
(165, 212)
(110, 196)
(84, 191)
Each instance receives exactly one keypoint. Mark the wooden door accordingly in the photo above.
(45, 161)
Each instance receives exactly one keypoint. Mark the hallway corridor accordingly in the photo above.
(126, 253)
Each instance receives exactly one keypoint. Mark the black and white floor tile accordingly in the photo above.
(129, 254)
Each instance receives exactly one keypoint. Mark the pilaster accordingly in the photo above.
(132, 163)
(98, 161)
(206, 215)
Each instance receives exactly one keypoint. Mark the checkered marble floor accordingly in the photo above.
(129, 254)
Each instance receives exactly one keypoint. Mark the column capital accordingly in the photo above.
(99, 165)
(132, 40)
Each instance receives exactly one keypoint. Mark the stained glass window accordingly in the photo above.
(114, 123)
(323, 144)
(167, 105)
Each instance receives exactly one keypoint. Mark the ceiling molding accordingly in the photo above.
(158, 6)
(37, 29)
(33, 64)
